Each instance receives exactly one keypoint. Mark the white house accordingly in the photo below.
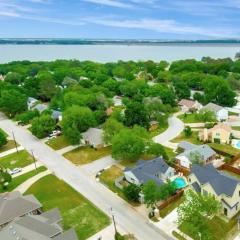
(117, 100)
(94, 137)
(220, 112)
(156, 170)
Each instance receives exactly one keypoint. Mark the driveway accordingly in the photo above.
(175, 127)
(126, 217)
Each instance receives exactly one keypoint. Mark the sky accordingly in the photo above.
(120, 19)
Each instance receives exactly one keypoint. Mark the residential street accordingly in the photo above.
(126, 217)
(176, 126)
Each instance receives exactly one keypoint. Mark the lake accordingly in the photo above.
(113, 53)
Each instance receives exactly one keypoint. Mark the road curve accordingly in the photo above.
(175, 127)
(126, 217)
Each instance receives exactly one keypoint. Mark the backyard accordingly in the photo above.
(86, 154)
(228, 149)
(76, 210)
(14, 160)
(58, 143)
(192, 139)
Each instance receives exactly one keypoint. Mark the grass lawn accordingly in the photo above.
(164, 212)
(10, 145)
(86, 154)
(58, 143)
(221, 229)
(170, 153)
(189, 118)
(192, 139)
(77, 211)
(21, 159)
(158, 131)
(109, 176)
(237, 128)
(22, 178)
(225, 148)
(232, 114)
(231, 174)
(178, 236)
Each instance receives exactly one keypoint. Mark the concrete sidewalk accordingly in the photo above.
(28, 169)
(3, 154)
(67, 149)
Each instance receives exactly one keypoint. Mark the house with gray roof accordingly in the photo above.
(57, 115)
(31, 102)
(37, 227)
(192, 153)
(14, 205)
(220, 112)
(157, 170)
(226, 189)
(40, 107)
(94, 137)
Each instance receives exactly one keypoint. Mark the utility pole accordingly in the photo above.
(114, 222)
(34, 160)
(15, 143)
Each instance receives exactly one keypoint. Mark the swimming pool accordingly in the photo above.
(236, 143)
(180, 182)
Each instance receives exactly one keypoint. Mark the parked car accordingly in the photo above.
(14, 171)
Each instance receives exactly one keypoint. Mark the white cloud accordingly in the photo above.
(111, 3)
(164, 26)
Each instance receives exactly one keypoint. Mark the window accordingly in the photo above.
(205, 193)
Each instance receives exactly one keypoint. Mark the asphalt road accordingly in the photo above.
(129, 220)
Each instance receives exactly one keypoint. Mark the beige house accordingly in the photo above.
(206, 180)
(188, 106)
(220, 133)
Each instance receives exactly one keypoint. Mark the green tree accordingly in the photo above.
(127, 145)
(43, 125)
(26, 117)
(131, 192)
(75, 121)
(187, 131)
(166, 190)
(5, 178)
(12, 102)
(194, 212)
(3, 138)
(111, 127)
(195, 157)
(136, 113)
(151, 193)
(157, 149)
(206, 115)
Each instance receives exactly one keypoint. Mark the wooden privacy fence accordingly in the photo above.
(230, 168)
(173, 198)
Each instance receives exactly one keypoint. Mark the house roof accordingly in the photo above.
(56, 114)
(52, 215)
(94, 136)
(36, 227)
(221, 183)
(186, 145)
(204, 151)
(40, 107)
(187, 103)
(213, 107)
(221, 126)
(13, 205)
(147, 170)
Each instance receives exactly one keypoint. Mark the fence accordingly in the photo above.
(179, 168)
(170, 200)
(229, 168)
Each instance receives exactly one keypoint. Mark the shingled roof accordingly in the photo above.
(221, 183)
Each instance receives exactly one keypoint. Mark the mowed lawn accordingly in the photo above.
(10, 145)
(16, 181)
(76, 210)
(14, 160)
(58, 143)
(86, 154)
(192, 139)
(189, 118)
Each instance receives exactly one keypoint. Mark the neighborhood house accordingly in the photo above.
(13, 205)
(156, 170)
(94, 138)
(31, 102)
(220, 112)
(117, 100)
(220, 133)
(207, 180)
(189, 106)
(194, 154)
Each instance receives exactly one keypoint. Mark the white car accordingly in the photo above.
(15, 171)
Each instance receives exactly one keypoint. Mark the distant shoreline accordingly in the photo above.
(29, 41)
